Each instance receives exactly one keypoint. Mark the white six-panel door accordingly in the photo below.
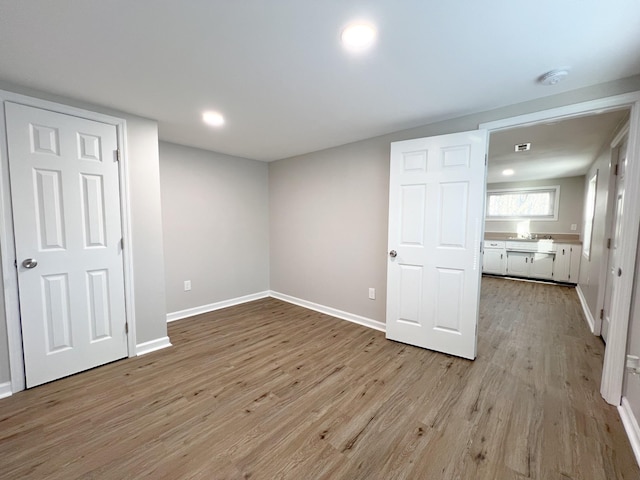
(66, 212)
(436, 222)
(611, 282)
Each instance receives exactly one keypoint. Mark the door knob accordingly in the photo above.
(29, 263)
(393, 254)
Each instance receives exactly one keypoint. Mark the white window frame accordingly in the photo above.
(589, 214)
(518, 190)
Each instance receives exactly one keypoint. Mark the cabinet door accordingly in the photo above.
(574, 267)
(493, 261)
(518, 263)
(562, 263)
(542, 265)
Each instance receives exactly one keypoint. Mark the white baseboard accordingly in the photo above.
(5, 389)
(190, 312)
(630, 423)
(152, 346)
(351, 317)
(585, 308)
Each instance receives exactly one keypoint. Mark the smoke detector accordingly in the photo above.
(553, 77)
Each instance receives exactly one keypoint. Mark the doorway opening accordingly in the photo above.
(550, 208)
(590, 220)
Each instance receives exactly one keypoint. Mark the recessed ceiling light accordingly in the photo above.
(508, 172)
(214, 119)
(358, 36)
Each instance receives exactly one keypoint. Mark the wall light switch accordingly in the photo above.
(187, 285)
(574, 226)
(372, 293)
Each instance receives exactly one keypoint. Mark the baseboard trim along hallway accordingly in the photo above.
(630, 423)
(5, 389)
(585, 309)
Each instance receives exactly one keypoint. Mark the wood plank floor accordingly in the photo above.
(268, 390)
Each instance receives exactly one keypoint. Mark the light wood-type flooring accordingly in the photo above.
(268, 390)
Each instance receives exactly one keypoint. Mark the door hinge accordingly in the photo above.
(615, 170)
(485, 159)
(122, 243)
(126, 327)
(118, 155)
(15, 263)
(601, 313)
(608, 243)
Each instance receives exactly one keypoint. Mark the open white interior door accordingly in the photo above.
(436, 223)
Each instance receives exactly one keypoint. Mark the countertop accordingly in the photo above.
(557, 238)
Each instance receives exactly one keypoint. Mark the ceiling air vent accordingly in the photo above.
(523, 147)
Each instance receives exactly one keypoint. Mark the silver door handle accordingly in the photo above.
(393, 254)
(30, 263)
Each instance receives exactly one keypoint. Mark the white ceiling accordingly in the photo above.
(558, 149)
(277, 71)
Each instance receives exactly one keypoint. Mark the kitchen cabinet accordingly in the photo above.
(537, 259)
(518, 263)
(530, 264)
(494, 259)
(567, 264)
(541, 265)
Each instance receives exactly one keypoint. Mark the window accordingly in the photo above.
(533, 203)
(589, 212)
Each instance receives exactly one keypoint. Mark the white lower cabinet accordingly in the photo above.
(542, 265)
(494, 259)
(567, 265)
(518, 263)
(530, 264)
(543, 259)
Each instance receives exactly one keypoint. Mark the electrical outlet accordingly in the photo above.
(574, 227)
(187, 285)
(372, 293)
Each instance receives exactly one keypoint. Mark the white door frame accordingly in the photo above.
(608, 226)
(7, 240)
(615, 351)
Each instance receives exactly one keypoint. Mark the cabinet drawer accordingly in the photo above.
(494, 244)
(532, 246)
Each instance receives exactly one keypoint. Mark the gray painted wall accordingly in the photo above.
(590, 268)
(148, 260)
(570, 207)
(215, 219)
(328, 229)
(631, 387)
(329, 226)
